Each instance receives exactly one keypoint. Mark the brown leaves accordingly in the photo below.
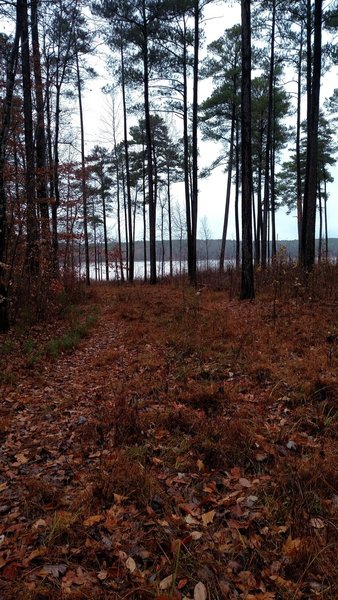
(208, 517)
(53, 570)
(75, 578)
(166, 583)
(200, 591)
(92, 520)
(291, 546)
(201, 497)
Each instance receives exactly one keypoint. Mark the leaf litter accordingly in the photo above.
(137, 467)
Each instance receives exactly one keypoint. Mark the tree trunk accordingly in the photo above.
(268, 139)
(298, 133)
(186, 149)
(119, 235)
(83, 173)
(40, 142)
(125, 212)
(310, 186)
(32, 233)
(247, 277)
(169, 224)
(105, 238)
(126, 156)
(194, 195)
(118, 196)
(151, 198)
(237, 184)
(259, 220)
(272, 186)
(228, 192)
(6, 120)
(320, 239)
(325, 222)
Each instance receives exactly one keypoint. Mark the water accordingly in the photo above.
(163, 269)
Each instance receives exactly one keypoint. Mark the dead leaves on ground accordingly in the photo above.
(194, 473)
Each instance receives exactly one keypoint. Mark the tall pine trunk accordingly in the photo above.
(267, 180)
(150, 174)
(32, 229)
(6, 121)
(186, 152)
(192, 264)
(298, 146)
(83, 172)
(247, 277)
(40, 141)
(228, 191)
(131, 251)
(310, 186)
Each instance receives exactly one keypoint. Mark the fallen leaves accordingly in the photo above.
(317, 523)
(292, 546)
(208, 517)
(200, 591)
(52, 570)
(92, 520)
(76, 578)
(21, 459)
(131, 564)
(166, 583)
(175, 509)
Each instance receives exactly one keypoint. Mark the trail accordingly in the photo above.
(49, 407)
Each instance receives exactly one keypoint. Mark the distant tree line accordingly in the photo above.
(60, 200)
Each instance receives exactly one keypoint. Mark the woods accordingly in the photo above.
(56, 219)
(168, 401)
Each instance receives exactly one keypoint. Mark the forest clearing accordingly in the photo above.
(173, 442)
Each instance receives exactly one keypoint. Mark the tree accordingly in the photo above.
(279, 137)
(205, 233)
(32, 234)
(167, 165)
(286, 188)
(12, 62)
(40, 142)
(99, 172)
(247, 276)
(310, 187)
(221, 110)
(141, 26)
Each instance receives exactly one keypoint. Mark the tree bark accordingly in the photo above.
(83, 172)
(268, 139)
(151, 198)
(310, 186)
(32, 233)
(126, 157)
(40, 142)
(298, 131)
(6, 121)
(247, 277)
(194, 192)
(186, 149)
(228, 192)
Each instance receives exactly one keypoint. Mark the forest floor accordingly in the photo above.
(182, 445)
